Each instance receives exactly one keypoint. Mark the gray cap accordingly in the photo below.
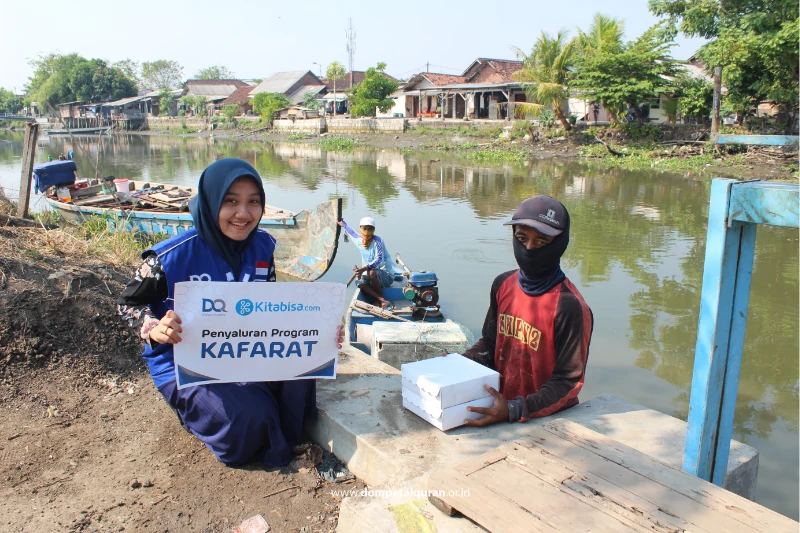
(543, 213)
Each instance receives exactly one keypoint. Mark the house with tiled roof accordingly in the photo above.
(241, 98)
(486, 89)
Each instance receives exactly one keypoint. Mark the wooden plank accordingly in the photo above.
(473, 464)
(553, 505)
(26, 175)
(596, 491)
(713, 334)
(733, 365)
(688, 497)
(756, 140)
(86, 191)
(762, 202)
(472, 499)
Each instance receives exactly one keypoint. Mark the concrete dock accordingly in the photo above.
(362, 421)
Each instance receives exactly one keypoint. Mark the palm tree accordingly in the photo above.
(545, 74)
(335, 71)
(604, 35)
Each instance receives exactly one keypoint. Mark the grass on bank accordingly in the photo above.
(650, 156)
(94, 239)
(337, 144)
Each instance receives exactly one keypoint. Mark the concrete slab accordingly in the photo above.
(362, 421)
(359, 514)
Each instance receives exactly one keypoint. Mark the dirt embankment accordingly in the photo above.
(86, 441)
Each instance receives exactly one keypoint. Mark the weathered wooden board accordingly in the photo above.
(565, 477)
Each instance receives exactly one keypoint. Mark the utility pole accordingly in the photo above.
(351, 47)
(428, 68)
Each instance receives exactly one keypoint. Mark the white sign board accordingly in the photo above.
(236, 332)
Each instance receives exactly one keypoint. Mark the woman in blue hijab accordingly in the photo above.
(239, 422)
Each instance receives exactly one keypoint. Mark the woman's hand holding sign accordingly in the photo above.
(340, 336)
(168, 329)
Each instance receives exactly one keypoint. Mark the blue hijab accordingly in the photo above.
(204, 207)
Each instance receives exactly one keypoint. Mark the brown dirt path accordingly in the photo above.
(86, 441)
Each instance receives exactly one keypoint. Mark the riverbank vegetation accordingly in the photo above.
(92, 239)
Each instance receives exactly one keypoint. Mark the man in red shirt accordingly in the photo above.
(537, 331)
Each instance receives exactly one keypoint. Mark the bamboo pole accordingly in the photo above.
(28, 156)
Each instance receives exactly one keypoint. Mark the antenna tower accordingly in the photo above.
(350, 35)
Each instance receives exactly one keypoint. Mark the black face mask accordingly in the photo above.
(540, 268)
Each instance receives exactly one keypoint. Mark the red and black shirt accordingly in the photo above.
(538, 344)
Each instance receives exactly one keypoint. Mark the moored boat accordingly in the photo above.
(79, 131)
(306, 240)
(414, 328)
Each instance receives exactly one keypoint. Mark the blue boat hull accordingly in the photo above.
(307, 241)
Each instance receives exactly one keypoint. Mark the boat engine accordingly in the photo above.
(421, 290)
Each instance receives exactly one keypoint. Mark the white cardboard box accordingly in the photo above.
(448, 381)
(447, 418)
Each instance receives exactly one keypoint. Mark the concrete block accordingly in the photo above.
(362, 421)
(396, 343)
(403, 515)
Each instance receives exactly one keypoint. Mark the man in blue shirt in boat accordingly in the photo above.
(376, 271)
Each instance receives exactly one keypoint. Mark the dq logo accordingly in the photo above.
(244, 307)
(214, 306)
(201, 277)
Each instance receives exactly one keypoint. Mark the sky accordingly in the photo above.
(255, 39)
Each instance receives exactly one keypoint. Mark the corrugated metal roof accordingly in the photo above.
(279, 82)
(297, 96)
(121, 102)
(212, 90)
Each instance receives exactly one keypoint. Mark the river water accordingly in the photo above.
(636, 253)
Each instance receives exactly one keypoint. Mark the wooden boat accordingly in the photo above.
(307, 240)
(79, 131)
(412, 330)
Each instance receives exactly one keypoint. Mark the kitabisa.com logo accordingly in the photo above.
(245, 307)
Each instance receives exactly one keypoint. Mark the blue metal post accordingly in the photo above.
(736, 208)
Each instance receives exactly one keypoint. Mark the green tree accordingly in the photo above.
(310, 100)
(200, 104)
(94, 81)
(755, 41)
(695, 97)
(130, 68)
(372, 93)
(266, 104)
(161, 74)
(628, 77)
(214, 72)
(604, 35)
(545, 75)
(187, 102)
(9, 102)
(41, 86)
(58, 78)
(165, 99)
(229, 111)
(334, 72)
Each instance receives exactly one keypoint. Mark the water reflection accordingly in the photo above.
(636, 251)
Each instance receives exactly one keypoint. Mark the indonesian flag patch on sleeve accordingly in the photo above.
(262, 268)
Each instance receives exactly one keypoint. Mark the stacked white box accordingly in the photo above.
(440, 389)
